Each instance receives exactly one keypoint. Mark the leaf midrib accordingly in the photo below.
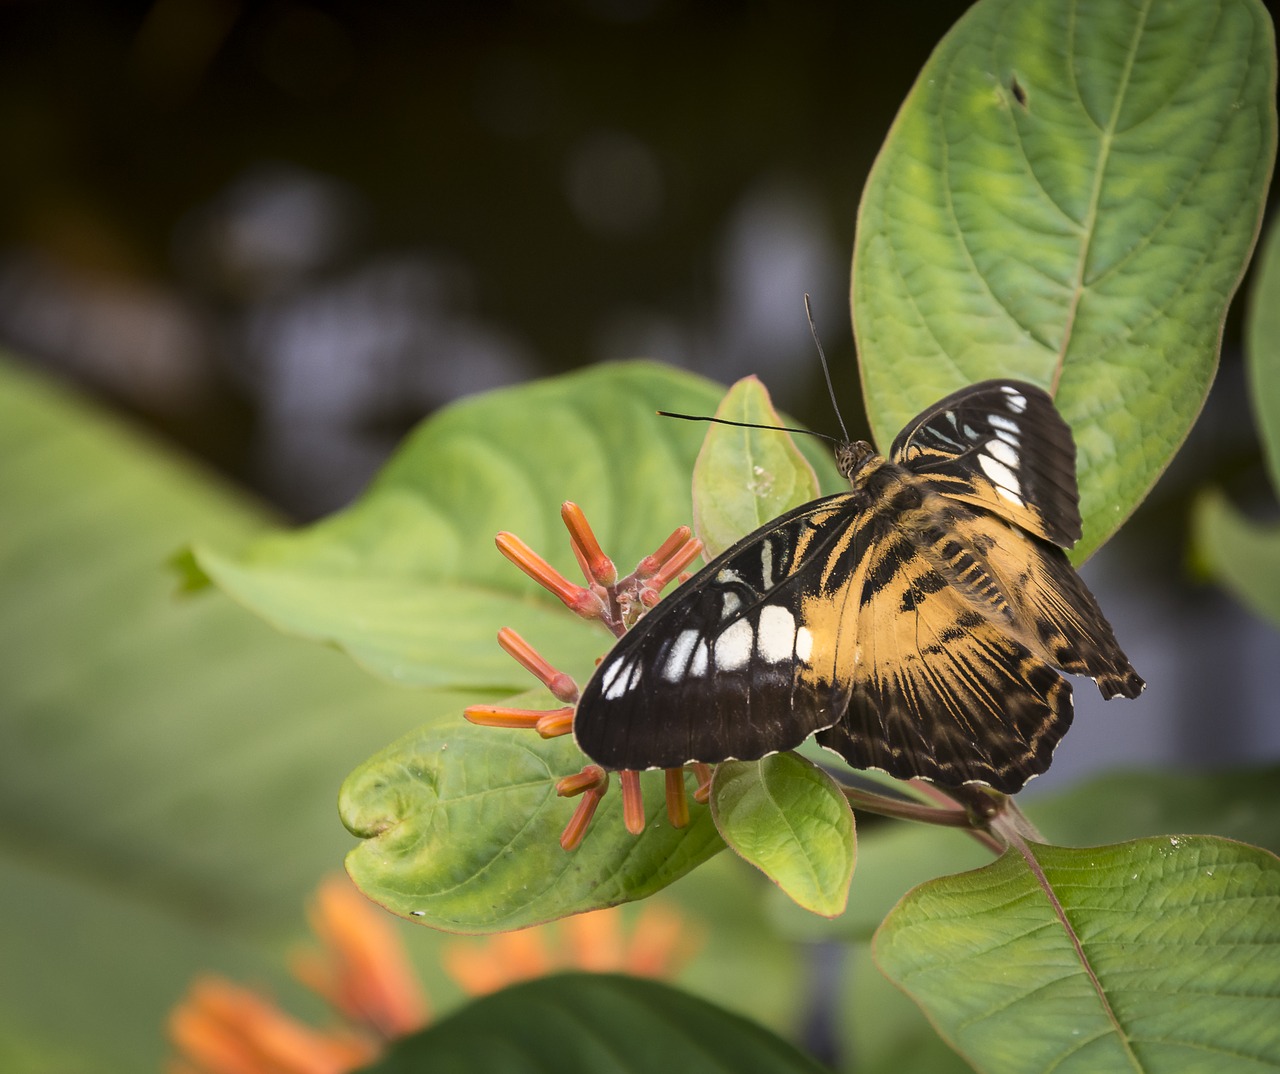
(1060, 912)
(1088, 230)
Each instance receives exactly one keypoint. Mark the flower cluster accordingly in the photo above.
(362, 970)
(617, 603)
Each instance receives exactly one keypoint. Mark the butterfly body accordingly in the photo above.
(915, 623)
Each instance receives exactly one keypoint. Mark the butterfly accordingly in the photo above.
(917, 623)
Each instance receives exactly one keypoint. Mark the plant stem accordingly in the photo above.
(993, 819)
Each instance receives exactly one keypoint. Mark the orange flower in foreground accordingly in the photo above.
(658, 946)
(362, 970)
(221, 1028)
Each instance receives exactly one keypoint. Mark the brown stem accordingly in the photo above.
(976, 825)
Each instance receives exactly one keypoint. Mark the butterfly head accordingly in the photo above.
(853, 456)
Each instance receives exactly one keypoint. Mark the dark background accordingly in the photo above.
(281, 233)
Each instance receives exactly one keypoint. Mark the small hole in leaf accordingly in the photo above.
(1019, 94)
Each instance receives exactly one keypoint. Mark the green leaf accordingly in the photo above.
(461, 827)
(407, 580)
(1242, 804)
(745, 477)
(92, 968)
(168, 765)
(1244, 555)
(882, 1027)
(789, 819)
(1161, 955)
(585, 1024)
(1262, 351)
(725, 902)
(1069, 195)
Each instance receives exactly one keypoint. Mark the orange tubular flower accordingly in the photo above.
(597, 566)
(617, 603)
(362, 968)
(561, 685)
(580, 601)
(658, 944)
(363, 971)
(222, 1028)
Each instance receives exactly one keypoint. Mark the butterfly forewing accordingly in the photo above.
(1002, 446)
(740, 661)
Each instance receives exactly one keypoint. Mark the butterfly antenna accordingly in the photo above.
(745, 424)
(826, 370)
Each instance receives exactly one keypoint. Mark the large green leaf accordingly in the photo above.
(1158, 955)
(580, 1024)
(884, 1030)
(168, 766)
(1069, 195)
(338, 580)
(461, 828)
(1242, 554)
(408, 581)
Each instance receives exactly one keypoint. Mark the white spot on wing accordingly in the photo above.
(698, 665)
(733, 647)
(678, 655)
(1002, 452)
(766, 564)
(804, 644)
(999, 421)
(1003, 478)
(776, 640)
(1017, 401)
(1009, 438)
(614, 683)
(1012, 497)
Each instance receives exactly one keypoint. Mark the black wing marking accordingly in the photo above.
(1003, 446)
(742, 660)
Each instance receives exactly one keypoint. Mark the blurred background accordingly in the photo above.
(281, 233)
(278, 235)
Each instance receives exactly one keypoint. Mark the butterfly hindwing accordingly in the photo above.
(964, 620)
(1002, 446)
(949, 697)
(1056, 615)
